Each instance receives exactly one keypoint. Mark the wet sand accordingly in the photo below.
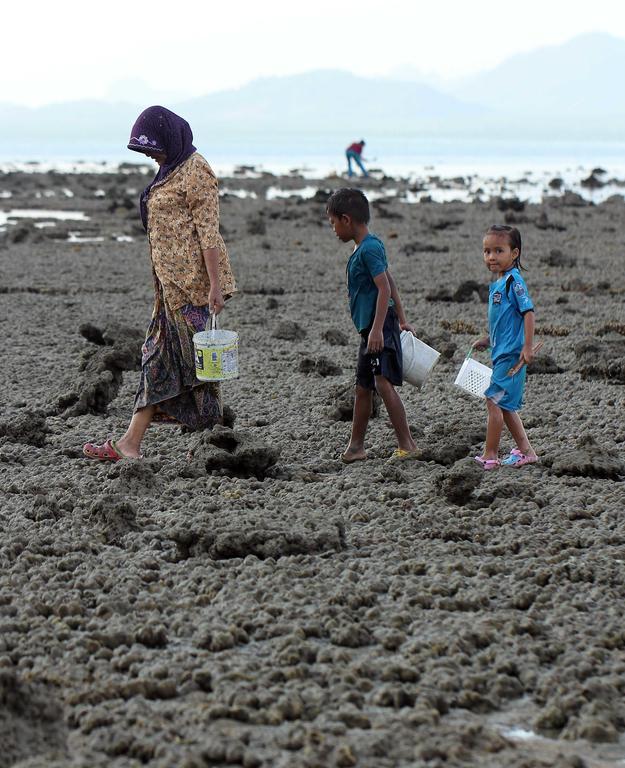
(257, 603)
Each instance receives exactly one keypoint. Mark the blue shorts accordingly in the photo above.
(388, 362)
(507, 391)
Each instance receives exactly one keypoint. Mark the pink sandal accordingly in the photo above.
(487, 464)
(108, 451)
(517, 459)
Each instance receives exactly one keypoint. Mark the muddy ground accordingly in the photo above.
(241, 598)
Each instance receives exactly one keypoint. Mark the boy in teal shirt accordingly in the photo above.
(378, 315)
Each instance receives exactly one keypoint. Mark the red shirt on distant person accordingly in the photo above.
(357, 147)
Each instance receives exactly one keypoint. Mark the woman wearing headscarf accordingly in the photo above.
(192, 278)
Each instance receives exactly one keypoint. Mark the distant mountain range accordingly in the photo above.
(567, 91)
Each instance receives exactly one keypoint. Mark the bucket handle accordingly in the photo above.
(212, 321)
(470, 353)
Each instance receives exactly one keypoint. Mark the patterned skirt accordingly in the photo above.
(168, 368)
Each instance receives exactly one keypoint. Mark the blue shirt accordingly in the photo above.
(508, 301)
(365, 263)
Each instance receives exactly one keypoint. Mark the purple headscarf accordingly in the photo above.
(158, 129)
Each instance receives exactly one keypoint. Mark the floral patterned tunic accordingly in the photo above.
(183, 220)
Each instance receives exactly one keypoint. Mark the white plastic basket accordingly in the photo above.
(473, 377)
(418, 359)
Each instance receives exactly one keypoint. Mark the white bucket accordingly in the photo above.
(418, 359)
(216, 353)
(473, 377)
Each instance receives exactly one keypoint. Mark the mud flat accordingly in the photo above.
(240, 598)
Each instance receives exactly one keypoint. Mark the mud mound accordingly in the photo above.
(612, 327)
(416, 246)
(463, 293)
(543, 365)
(113, 516)
(557, 258)
(588, 460)
(234, 453)
(289, 330)
(136, 477)
(31, 721)
(335, 338)
(601, 359)
(117, 349)
(440, 341)
(322, 366)
(459, 326)
(510, 204)
(259, 540)
(341, 402)
(612, 371)
(457, 485)
(27, 427)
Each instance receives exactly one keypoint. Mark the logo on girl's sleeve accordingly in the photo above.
(497, 297)
(519, 289)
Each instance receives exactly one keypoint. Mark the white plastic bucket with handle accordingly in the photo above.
(418, 359)
(216, 353)
(473, 377)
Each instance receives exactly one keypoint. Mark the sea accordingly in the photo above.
(454, 168)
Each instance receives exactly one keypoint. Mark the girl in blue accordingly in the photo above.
(511, 337)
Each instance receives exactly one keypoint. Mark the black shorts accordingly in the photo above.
(388, 362)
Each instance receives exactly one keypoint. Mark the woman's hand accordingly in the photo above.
(481, 344)
(215, 299)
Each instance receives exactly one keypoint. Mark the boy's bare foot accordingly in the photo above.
(353, 454)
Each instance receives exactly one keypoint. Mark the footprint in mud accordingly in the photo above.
(233, 453)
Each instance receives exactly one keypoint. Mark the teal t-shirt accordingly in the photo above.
(366, 262)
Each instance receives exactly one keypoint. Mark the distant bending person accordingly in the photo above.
(354, 152)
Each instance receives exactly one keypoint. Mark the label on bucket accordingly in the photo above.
(216, 364)
(229, 361)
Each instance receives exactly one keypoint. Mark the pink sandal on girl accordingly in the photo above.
(487, 464)
(517, 459)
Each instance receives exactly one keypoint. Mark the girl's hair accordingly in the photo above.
(514, 239)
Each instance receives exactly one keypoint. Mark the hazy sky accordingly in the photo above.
(68, 49)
